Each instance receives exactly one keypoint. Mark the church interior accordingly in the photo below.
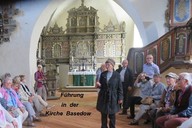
(72, 38)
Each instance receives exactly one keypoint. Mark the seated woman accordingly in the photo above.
(6, 120)
(26, 101)
(37, 100)
(182, 109)
(13, 105)
(156, 92)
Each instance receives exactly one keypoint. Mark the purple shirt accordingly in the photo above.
(151, 69)
(39, 77)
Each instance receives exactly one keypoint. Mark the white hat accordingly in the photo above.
(172, 75)
(39, 66)
(186, 76)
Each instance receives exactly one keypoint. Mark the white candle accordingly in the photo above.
(57, 69)
(44, 69)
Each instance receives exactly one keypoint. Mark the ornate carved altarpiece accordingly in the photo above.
(83, 44)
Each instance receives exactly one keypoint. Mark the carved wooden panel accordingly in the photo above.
(165, 49)
(56, 50)
(109, 45)
(118, 47)
(55, 30)
(65, 49)
(92, 21)
(181, 44)
(99, 46)
(109, 49)
(139, 60)
(73, 21)
(82, 19)
(83, 49)
(48, 49)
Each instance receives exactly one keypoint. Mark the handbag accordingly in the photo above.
(147, 101)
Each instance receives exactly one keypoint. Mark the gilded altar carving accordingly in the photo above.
(56, 50)
(109, 49)
(83, 43)
(56, 30)
(99, 48)
(82, 19)
(83, 49)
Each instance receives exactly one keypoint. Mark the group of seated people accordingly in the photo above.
(18, 105)
(166, 106)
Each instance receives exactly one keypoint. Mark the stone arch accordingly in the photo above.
(39, 25)
(131, 11)
(46, 14)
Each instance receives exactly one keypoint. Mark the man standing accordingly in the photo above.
(149, 67)
(127, 82)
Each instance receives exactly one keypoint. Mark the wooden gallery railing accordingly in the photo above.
(174, 49)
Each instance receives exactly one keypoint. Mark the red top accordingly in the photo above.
(39, 77)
